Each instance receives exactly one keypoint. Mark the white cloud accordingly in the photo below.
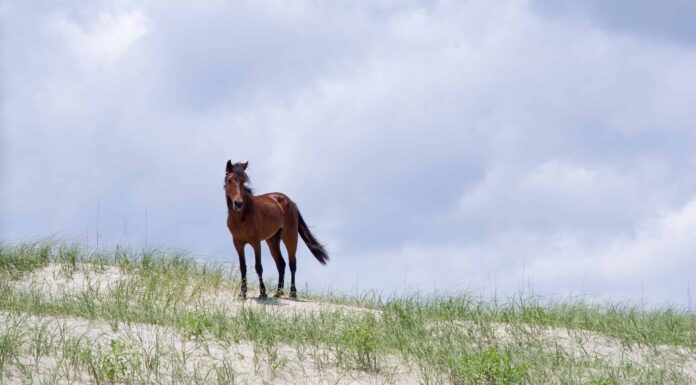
(558, 194)
(652, 262)
(104, 39)
(664, 246)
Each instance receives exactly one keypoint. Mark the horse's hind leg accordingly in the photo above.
(259, 269)
(290, 239)
(274, 247)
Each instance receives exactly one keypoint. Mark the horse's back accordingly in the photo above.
(280, 204)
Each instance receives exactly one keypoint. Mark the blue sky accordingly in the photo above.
(481, 146)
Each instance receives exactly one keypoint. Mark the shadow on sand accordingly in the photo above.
(277, 301)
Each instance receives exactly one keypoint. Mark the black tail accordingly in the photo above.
(314, 246)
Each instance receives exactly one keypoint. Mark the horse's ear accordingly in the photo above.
(229, 166)
(244, 165)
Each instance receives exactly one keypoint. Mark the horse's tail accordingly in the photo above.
(314, 246)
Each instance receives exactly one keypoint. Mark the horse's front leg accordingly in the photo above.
(239, 246)
(259, 269)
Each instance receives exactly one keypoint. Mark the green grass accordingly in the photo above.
(453, 339)
(16, 260)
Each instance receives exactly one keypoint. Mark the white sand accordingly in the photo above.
(585, 344)
(229, 303)
(55, 281)
(252, 363)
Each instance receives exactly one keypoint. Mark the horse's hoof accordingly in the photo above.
(293, 294)
(263, 295)
(242, 296)
(278, 294)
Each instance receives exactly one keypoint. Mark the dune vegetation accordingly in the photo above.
(73, 315)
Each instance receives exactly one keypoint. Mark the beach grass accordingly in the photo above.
(453, 339)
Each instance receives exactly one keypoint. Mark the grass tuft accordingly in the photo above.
(17, 260)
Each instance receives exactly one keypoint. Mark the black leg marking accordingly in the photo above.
(281, 276)
(259, 271)
(293, 268)
(262, 287)
(243, 270)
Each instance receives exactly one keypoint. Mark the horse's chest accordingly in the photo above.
(240, 230)
(253, 230)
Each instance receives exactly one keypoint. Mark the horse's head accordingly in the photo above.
(235, 185)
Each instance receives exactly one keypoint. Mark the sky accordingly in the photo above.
(498, 148)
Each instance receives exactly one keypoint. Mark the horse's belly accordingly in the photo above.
(271, 230)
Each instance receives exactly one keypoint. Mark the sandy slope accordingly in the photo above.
(251, 362)
(202, 358)
(57, 280)
(587, 344)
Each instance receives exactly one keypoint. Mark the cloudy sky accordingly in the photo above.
(493, 147)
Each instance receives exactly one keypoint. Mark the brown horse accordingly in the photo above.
(269, 217)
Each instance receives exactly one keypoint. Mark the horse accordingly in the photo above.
(269, 217)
